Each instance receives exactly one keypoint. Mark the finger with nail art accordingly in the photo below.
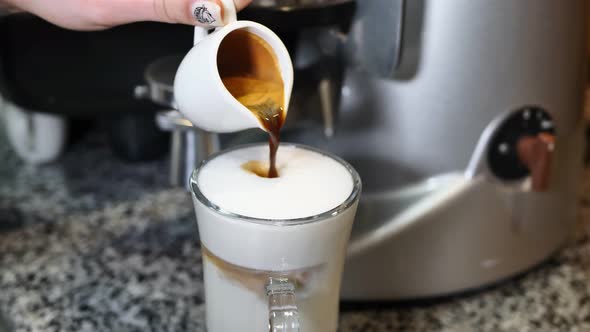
(103, 14)
(207, 14)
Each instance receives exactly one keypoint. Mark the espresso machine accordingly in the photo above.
(464, 120)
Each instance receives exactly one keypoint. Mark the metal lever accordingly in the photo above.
(327, 100)
(536, 153)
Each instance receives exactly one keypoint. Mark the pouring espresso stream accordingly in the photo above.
(255, 81)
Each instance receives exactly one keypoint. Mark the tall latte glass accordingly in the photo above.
(274, 248)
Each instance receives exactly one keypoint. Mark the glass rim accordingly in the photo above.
(341, 208)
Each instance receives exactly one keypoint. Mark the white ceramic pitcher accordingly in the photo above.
(199, 92)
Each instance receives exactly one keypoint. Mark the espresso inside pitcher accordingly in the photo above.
(250, 72)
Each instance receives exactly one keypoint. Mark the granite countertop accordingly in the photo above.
(94, 244)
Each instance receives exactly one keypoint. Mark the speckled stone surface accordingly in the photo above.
(93, 244)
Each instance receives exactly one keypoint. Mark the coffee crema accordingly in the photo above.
(255, 81)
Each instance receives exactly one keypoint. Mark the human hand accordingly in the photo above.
(103, 14)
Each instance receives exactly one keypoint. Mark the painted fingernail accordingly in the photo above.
(207, 14)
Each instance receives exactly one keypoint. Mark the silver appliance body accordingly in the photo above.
(432, 88)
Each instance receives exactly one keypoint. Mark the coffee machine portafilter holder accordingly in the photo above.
(190, 145)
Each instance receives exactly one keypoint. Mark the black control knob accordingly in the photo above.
(509, 156)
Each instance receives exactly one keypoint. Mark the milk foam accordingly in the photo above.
(309, 183)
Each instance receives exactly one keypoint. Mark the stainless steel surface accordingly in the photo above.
(189, 146)
(464, 65)
(376, 36)
(159, 76)
(170, 120)
(457, 238)
(191, 156)
(177, 165)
